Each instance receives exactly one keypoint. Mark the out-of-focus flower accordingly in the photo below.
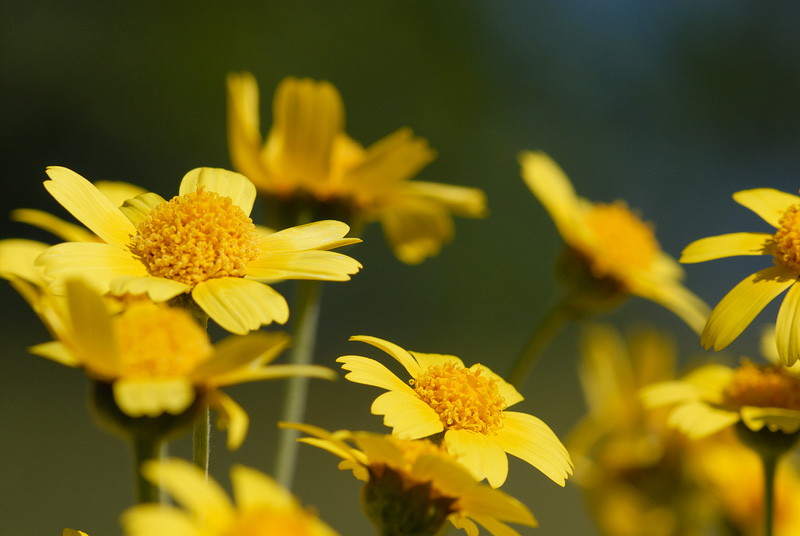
(307, 161)
(467, 406)
(201, 242)
(611, 252)
(71, 532)
(743, 303)
(413, 487)
(262, 506)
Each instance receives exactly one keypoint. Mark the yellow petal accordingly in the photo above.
(727, 245)
(236, 351)
(84, 201)
(275, 372)
(741, 305)
(380, 449)
(157, 289)
(505, 389)
(240, 305)
(394, 158)
(787, 328)
(253, 489)
(56, 351)
(550, 185)
(17, 259)
(495, 527)
(426, 361)
(674, 297)
(62, 229)
(401, 355)
(775, 419)
(118, 192)
(460, 200)
(91, 329)
(97, 264)
(137, 208)
(244, 136)
(315, 235)
(152, 397)
(230, 417)
(407, 415)
(223, 182)
(158, 520)
(416, 229)
(483, 456)
(768, 203)
(314, 265)
(698, 419)
(531, 440)
(190, 488)
(370, 372)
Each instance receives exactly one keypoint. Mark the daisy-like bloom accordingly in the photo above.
(413, 487)
(262, 507)
(158, 360)
(307, 157)
(743, 303)
(201, 242)
(618, 250)
(467, 406)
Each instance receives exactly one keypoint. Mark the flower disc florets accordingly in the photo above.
(787, 240)
(195, 237)
(464, 399)
(764, 387)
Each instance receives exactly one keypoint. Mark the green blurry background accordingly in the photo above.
(670, 105)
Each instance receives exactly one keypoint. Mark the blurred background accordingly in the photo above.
(672, 106)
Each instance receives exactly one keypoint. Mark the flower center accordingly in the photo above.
(764, 387)
(787, 240)
(624, 241)
(195, 237)
(463, 399)
(269, 522)
(159, 342)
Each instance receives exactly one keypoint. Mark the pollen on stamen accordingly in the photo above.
(464, 399)
(195, 237)
(765, 387)
(786, 248)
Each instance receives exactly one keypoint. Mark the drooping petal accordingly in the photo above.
(698, 419)
(380, 451)
(394, 158)
(151, 397)
(275, 372)
(244, 136)
(84, 201)
(741, 305)
(236, 351)
(775, 419)
(370, 372)
(460, 200)
(531, 440)
(157, 289)
(91, 330)
(787, 328)
(62, 229)
(727, 245)
(55, 351)
(97, 264)
(401, 355)
(314, 265)
(223, 182)
(675, 297)
(240, 305)
(416, 228)
(137, 208)
(158, 520)
(483, 456)
(230, 417)
(550, 185)
(407, 415)
(768, 203)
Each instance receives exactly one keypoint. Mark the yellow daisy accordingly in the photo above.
(262, 508)
(201, 242)
(158, 360)
(466, 405)
(413, 487)
(617, 247)
(741, 305)
(307, 155)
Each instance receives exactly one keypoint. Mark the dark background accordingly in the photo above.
(672, 106)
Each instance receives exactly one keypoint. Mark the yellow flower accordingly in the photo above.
(404, 475)
(308, 155)
(159, 360)
(466, 405)
(263, 508)
(200, 242)
(71, 532)
(619, 250)
(741, 305)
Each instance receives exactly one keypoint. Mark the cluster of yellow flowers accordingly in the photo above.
(127, 299)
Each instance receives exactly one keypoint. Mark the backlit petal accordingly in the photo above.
(481, 455)
(727, 245)
(240, 305)
(407, 415)
(401, 355)
(223, 182)
(768, 203)
(370, 372)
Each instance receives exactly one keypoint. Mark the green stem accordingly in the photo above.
(770, 463)
(544, 331)
(304, 334)
(147, 448)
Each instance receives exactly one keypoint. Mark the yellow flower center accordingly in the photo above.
(624, 241)
(463, 399)
(787, 240)
(195, 237)
(270, 522)
(159, 342)
(764, 387)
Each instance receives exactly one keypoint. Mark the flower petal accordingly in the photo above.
(314, 265)
(426, 361)
(698, 419)
(460, 200)
(57, 352)
(91, 330)
(244, 136)
(118, 191)
(240, 305)
(675, 297)
(787, 328)
(370, 372)
(483, 456)
(401, 355)
(407, 415)
(416, 228)
(506, 390)
(84, 201)
(157, 289)
(550, 185)
(253, 489)
(137, 208)
(741, 305)
(158, 520)
(775, 419)
(240, 351)
(768, 203)
(62, 229)
(531, 440)
(230, 417)
(223, 182)
(727, 245)
(152, 397)
(18, 257)
(394, 158)
(314, 235)
(98, 264)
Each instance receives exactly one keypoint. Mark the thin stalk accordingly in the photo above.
(304, 335)
(770, 464)
(147, 448)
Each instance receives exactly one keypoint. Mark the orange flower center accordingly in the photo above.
(787, 240)
(195, 237)
(464, 399)
(764, 387)
(267, 521)
(623, 241)
(159, 342)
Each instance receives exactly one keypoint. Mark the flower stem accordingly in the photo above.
(770, 464)
(304, 334)
(147, 447)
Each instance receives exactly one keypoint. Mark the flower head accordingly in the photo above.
(413, 487)
(263, 508)
(308, 158)
(467, 405)
(743, 303)
(616, 251)
(201, 242)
